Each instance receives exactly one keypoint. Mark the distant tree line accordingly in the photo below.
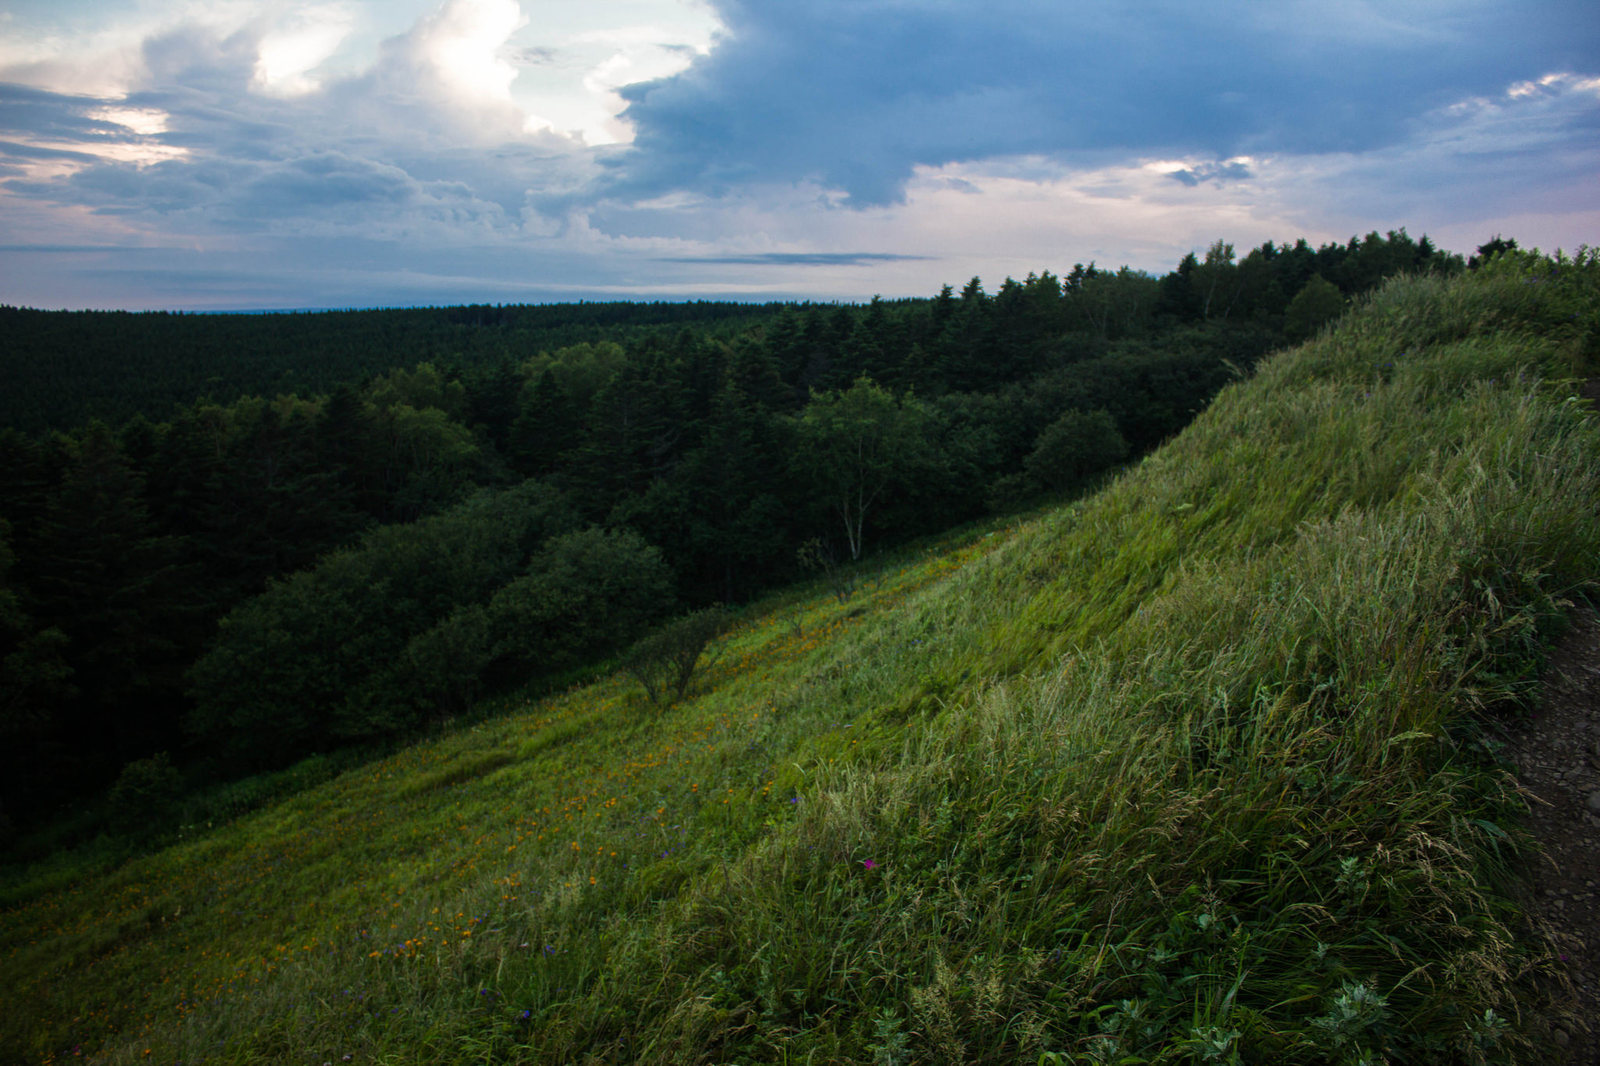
(65, 367)
(243, 583)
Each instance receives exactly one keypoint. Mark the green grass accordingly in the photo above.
(1191, 770)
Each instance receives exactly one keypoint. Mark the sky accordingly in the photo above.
(243, 154)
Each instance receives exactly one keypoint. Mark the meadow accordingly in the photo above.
(1197, 768)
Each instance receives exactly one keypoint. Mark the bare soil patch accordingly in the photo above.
(1557, 757)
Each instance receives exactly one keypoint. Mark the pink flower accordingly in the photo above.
(868, 863)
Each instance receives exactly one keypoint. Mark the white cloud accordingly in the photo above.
(462, 42)
(572, 79)
(105, 67)
(1554, 84)
(145, 121)
(288, 54)
(636, 62)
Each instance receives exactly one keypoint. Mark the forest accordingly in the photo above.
(228, 542)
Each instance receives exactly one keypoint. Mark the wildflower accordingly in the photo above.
(869, 864)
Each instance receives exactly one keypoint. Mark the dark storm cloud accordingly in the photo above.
(855, 93)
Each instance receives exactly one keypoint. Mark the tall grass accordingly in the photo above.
(1193, 770)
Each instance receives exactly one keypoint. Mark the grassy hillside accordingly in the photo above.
(1188, 771)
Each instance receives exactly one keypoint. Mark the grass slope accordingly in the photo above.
(1188, 771)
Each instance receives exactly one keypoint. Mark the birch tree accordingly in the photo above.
(857, 445)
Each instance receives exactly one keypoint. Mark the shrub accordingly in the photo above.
(586, 595)
(666, 660)
(817, 556)
(145, 796)
(1313, 307)
(1077, 444)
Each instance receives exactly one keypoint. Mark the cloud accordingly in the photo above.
(66, 249)
(67, 132)
(461, 43)
(831, 259)
(468, 153)
(1519, 161)
(45, 114)
(15, 150)
(428, 135)
(857, 93)
(1216, 173)
(287, 56)
(330, 179)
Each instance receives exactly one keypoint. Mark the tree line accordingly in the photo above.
(244, 583)
(65, 367)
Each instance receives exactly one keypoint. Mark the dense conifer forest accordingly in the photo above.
(228, 542)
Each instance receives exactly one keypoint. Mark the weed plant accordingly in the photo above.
(1192, 770)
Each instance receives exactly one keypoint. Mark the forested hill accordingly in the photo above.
(241, 581)
(1198, 767)
(64, 367)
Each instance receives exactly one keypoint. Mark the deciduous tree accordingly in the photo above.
(854, 446)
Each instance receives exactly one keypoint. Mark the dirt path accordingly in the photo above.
(1557, 755)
